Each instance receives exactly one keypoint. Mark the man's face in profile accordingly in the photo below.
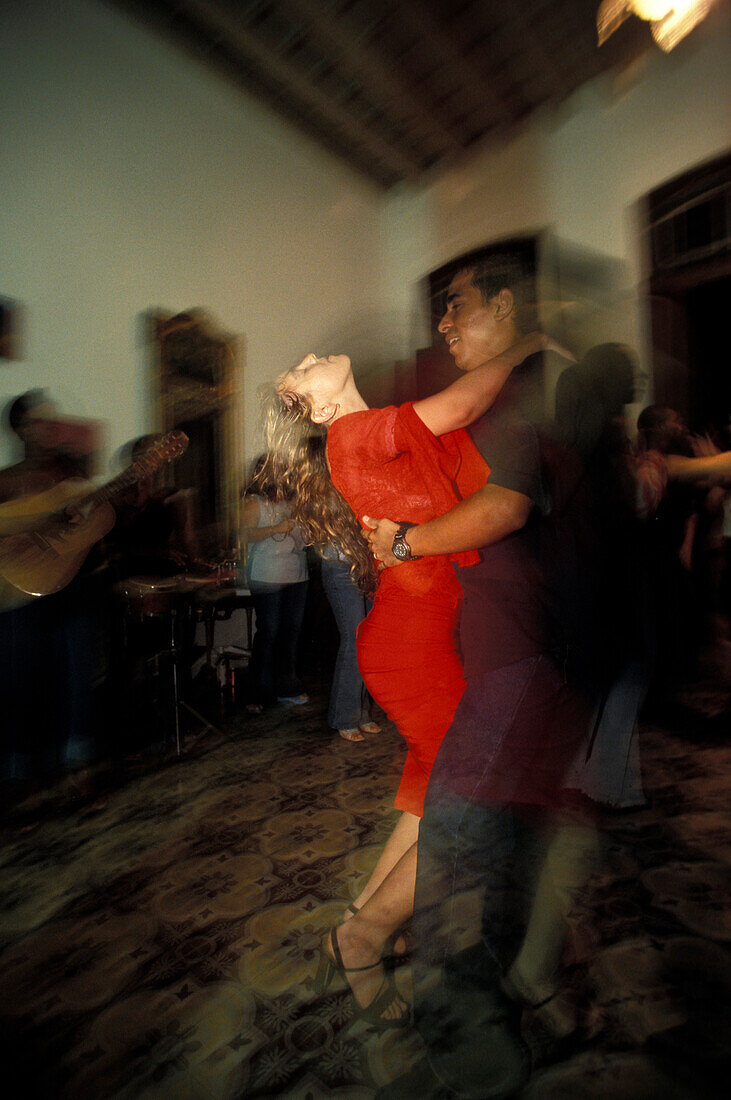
(469, 325)
(673, 431)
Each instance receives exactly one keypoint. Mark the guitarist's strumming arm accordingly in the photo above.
(12, 524)
(44, 539)
(26, 513)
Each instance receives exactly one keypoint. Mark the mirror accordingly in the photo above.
(197, 389)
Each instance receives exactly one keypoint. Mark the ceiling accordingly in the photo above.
(399, 88)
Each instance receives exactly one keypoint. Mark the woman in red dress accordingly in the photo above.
(416, 462)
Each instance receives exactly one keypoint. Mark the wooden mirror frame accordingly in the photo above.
(197, 389)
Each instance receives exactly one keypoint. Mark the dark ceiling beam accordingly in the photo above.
(479, 96)
(220, 23)
(337, 34)
(523, 40)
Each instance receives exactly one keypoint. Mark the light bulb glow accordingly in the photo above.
(652, 10)
(670, 20)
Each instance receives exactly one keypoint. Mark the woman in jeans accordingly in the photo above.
(350, 702)
(277, 577)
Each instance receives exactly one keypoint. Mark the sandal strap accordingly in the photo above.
(339, 958)
(386, 997)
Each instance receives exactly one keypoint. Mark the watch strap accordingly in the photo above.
(401, 531)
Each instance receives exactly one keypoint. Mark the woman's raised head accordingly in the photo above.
(325, 384)
(296, 460)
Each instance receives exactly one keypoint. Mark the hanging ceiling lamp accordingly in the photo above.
(670, 20)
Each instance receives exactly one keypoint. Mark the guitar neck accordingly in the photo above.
(122, 481)
(171, 446)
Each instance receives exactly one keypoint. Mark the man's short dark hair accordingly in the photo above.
(492, 273)
(24, 404)
(652, 417)
(510, 264)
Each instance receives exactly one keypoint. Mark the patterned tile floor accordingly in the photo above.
(165, 945)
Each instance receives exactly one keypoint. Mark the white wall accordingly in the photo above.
(130, 179)
(582, 169)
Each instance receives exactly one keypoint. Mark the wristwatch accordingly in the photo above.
(401, 548)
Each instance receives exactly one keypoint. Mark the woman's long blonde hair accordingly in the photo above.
(296, 462)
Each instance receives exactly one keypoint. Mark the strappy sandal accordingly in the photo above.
(391, 954)
(369, 727)
(386, 997)
(351, 735)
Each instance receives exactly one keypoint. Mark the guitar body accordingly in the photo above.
(44, 560)
(25, 513)
(42, 549)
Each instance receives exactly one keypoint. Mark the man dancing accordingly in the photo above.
(500, 768)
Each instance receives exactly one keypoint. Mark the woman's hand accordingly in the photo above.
(549, 344)
(703, 446)
(380, 535)
(532, 344)
(279, 531)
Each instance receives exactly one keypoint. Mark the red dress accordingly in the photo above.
(386, 462)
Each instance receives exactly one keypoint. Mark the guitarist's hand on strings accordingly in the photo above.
(76, 512)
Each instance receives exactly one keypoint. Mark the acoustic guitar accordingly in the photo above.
(48, 535)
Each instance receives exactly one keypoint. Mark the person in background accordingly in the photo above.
(675, 473)
(349, 707)
(33, 418)
(277, 576)
(155, 533)
(154, 539)
(51, 647)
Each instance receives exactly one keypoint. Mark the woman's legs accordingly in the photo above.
(292, 613)
(362, 939)
(403, 837)
(267, 606)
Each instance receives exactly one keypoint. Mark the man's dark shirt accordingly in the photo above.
(501, 620)
(532, 591)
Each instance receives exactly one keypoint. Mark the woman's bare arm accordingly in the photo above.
(249, 518)
(471, 395)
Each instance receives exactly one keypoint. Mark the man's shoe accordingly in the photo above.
(500, 1080)
(418, 1083)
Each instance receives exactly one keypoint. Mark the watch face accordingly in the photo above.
(401, 549)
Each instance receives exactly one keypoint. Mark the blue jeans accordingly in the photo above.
(280, 610)
(349, 701)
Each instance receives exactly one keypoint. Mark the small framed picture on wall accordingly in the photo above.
(10, 329)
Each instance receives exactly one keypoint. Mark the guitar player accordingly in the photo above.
(155, 537)
(155, 532)
(50, 647)
(48, 459)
